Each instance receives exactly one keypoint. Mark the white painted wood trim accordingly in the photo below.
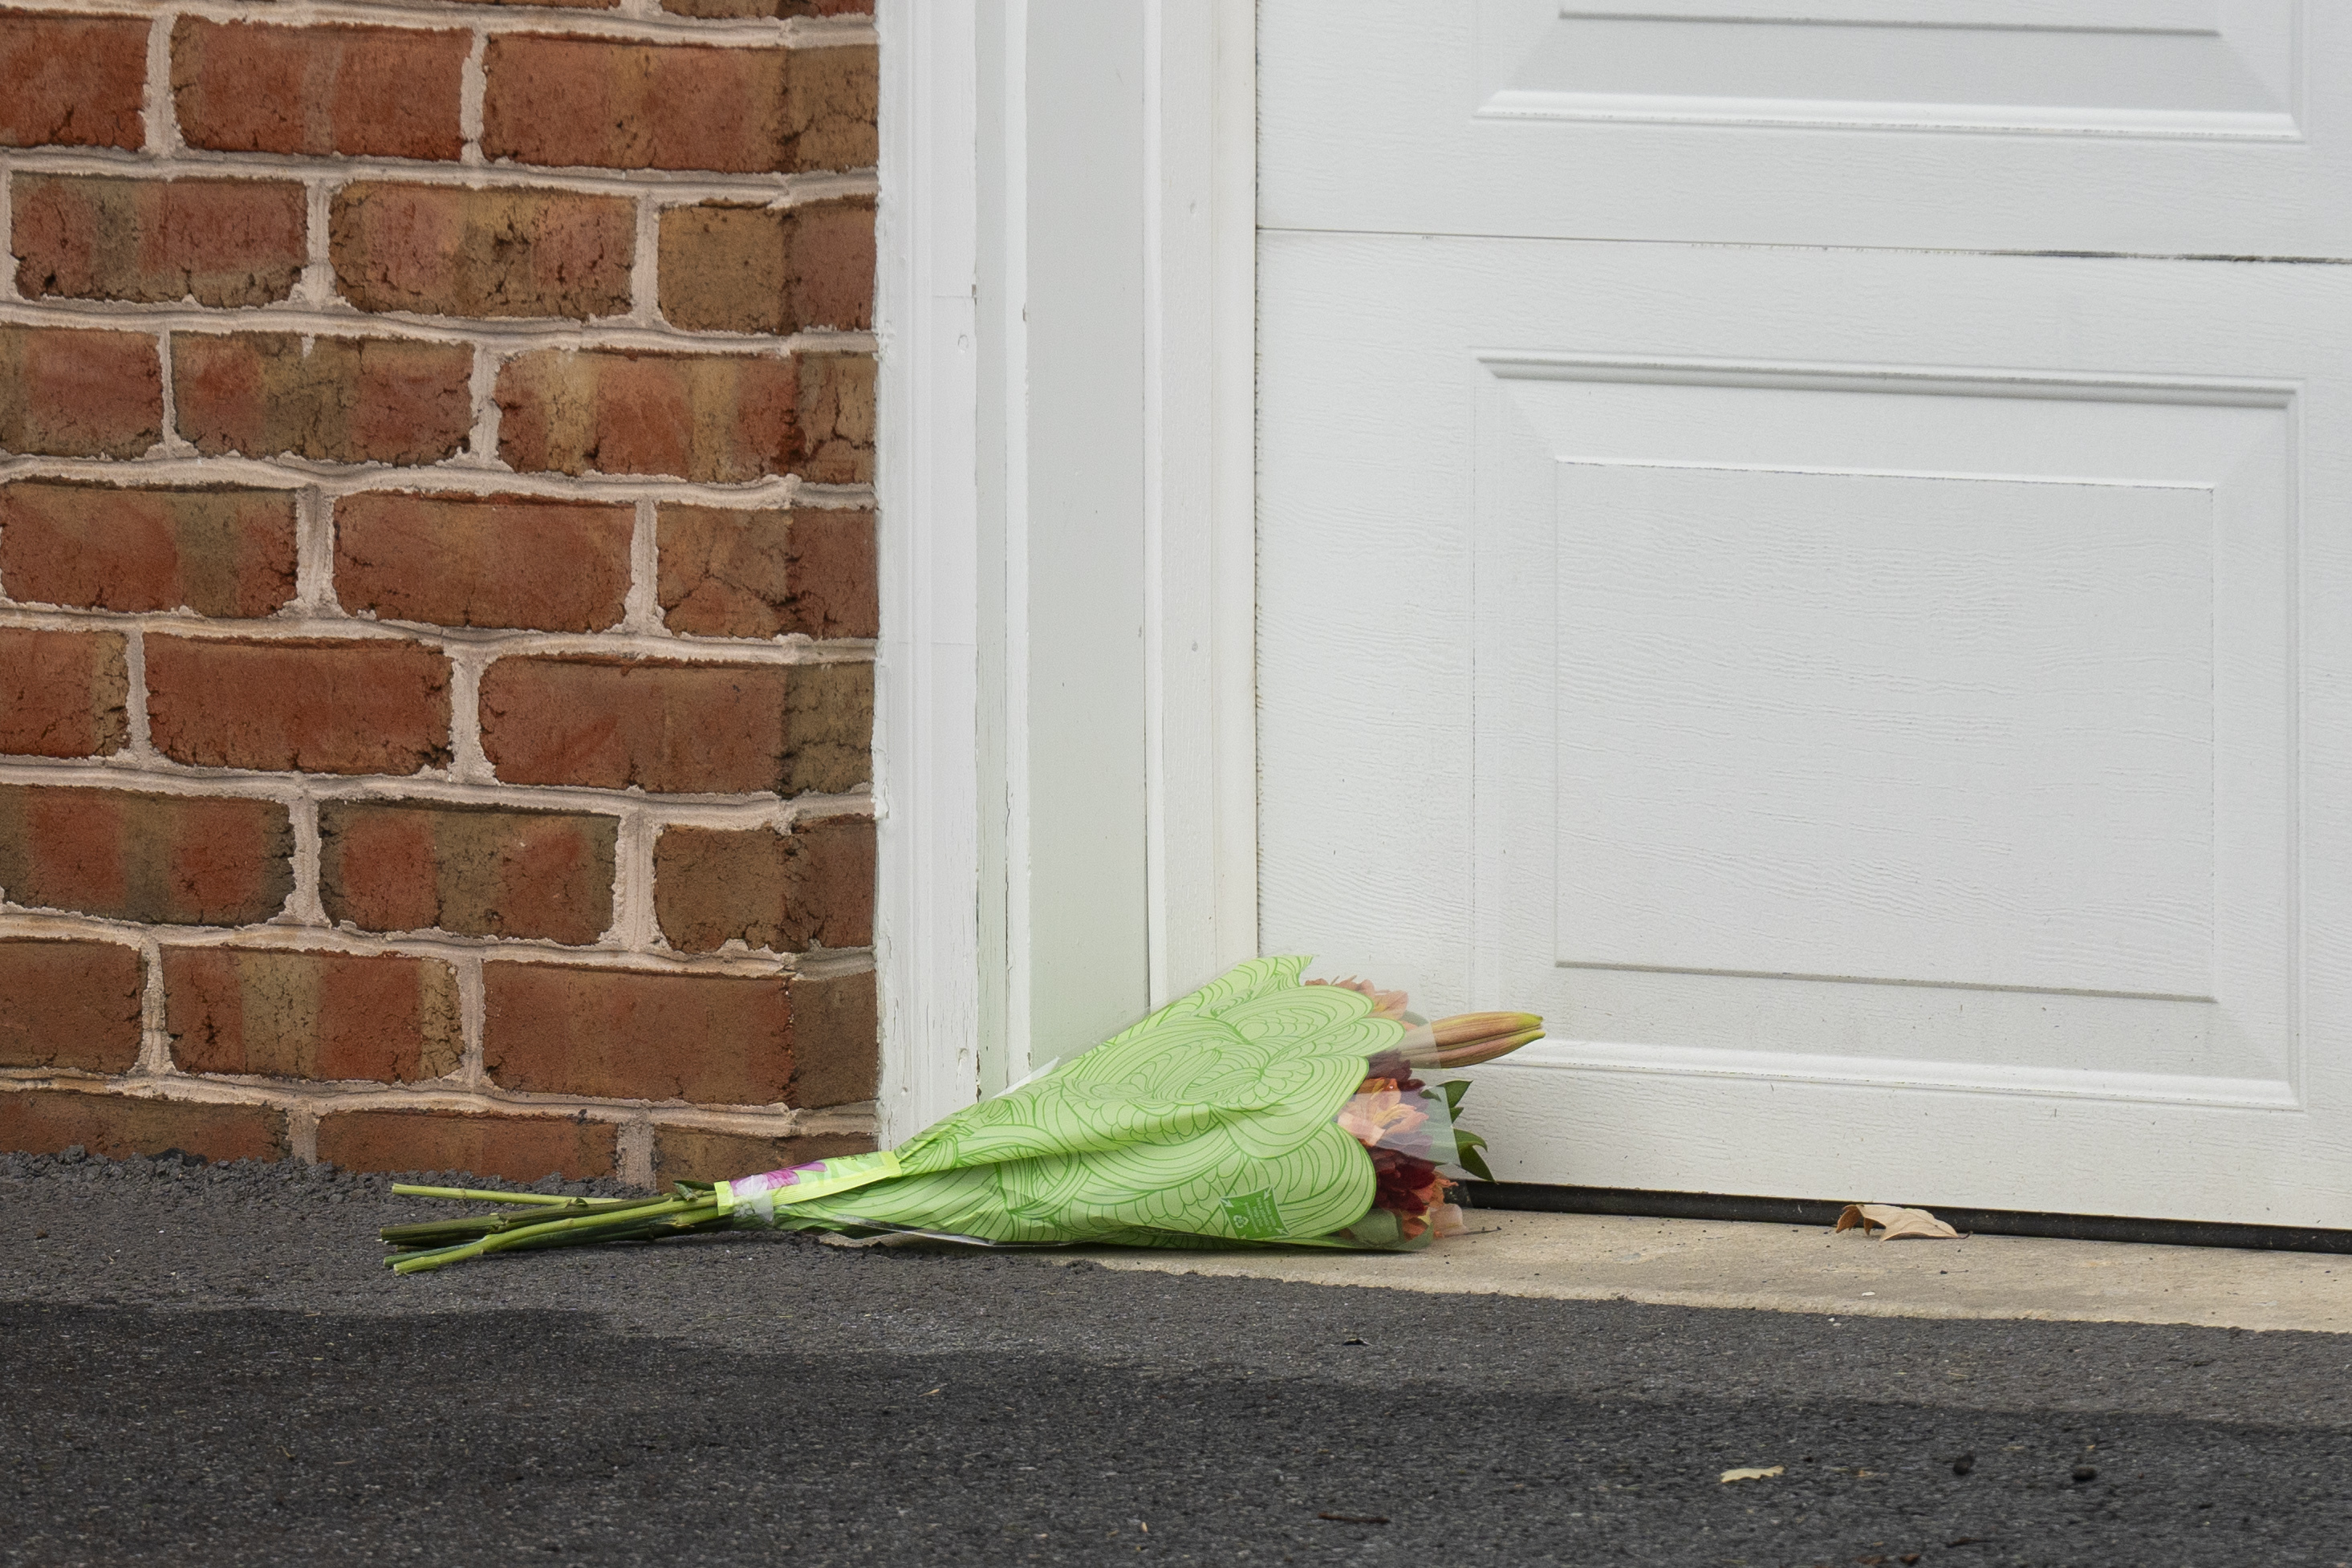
(1199, 562)
(927, 941)
(1066, 726)
(1006, 1023)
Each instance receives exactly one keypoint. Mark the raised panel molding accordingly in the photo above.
(2193, 69)
(1811, 672)
(2161, 127)
(2036, 16)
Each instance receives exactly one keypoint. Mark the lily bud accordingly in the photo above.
(1464, 1027)
(1487, 1050)
(1468, 1039)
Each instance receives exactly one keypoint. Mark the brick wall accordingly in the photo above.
(438, 582)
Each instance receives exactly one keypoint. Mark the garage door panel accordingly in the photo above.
(2158, 127)
(1842, 732)
(1876, 698)
(1861, 1140)
(1821, 743)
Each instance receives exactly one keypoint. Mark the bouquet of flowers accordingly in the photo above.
(1256, 1111)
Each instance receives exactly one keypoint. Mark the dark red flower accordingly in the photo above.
(1392, 1066)
(1404, 1184)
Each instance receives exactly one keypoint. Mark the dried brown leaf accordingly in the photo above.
(1893, 1224)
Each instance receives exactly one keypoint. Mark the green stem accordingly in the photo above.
(431, 1233)
(648, 1230)
(546, 1233)
(467, 1195)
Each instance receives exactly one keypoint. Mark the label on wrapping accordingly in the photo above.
(1254, 1216)
(761, 1194)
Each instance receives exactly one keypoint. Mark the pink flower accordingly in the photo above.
(1385, 1003)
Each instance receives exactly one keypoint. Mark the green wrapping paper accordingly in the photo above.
(1255, 1111)
(1209, 1123)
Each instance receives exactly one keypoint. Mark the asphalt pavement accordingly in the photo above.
(209, 1364)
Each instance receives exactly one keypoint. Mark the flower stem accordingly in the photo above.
(436, 1233)
(638, 1218)
(467, 1195)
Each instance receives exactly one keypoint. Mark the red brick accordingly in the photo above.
(835, 418)
(63, 694)
(329, 1016)
(834, 576)
(721, 418)
(622, 1034)
(72, 81)
(218, 552)
(513, 1148)
(442, 250)
(714, 8)
(43, 1121)
(68, 394)
(166, 860)
(674, 728)
(70, 1005)
(731, 573)
(483, 560)
(733, 269)
(474, 870)
(703, 1155)
(615, 104)
(243, 86)
(340, 400)
(830, 108)
(836, 1040)
(306, 705)
(811, 887)
(219, 242)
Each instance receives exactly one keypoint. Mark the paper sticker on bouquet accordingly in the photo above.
(1256, 1111)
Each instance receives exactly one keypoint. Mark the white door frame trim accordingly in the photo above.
(926, 935)
(994, 546)
(1199, 510)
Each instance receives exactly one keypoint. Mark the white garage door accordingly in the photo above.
(1887, 697)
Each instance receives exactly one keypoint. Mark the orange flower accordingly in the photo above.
(1375, 1118)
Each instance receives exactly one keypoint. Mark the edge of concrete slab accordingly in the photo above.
(1648, 1203)
(1805, 1268)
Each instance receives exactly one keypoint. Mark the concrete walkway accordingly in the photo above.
(211, 1364)
(1800, 1269)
